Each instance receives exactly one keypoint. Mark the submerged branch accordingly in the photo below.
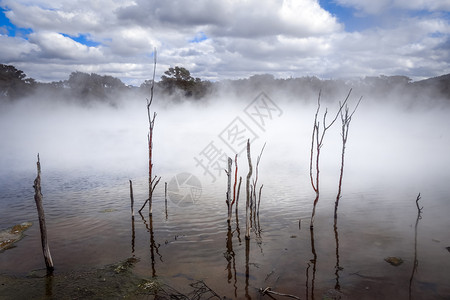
(268, 290)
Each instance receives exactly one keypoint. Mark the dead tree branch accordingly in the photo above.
(151, 120)
(316, 144)
(132, 198)
(229, 201)
(345, 121)
(247, 207)
(235, 180)
(41, 215)
(255, 181)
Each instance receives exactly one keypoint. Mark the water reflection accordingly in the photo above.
(237, 227)
(416, 262)
(154, 247)
(133, 236)
(314, 264)
(307, 281)
(49, 286)
(231, 260)
(247, 270)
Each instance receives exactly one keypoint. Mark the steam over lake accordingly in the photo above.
(88, 154)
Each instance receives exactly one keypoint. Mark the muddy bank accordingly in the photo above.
(115, 281)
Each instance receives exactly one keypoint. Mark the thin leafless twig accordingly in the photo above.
(268, 290)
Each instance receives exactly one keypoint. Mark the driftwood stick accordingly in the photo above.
(40, 210)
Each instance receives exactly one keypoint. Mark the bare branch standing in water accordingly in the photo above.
(235, 182)
(249, 195)
(258, 159)
(152, 182)
(41, 215)
(229, 201)
(346, 118)
(316, 144)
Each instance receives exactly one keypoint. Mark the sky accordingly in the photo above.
(226, 39)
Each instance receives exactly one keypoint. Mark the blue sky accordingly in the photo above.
(346, 15)
(9, 28)
(216, 39)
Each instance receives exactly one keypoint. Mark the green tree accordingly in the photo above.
(93, 86)
(13, 83)
(179, 78)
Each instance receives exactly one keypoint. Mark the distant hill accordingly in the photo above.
(440, 84)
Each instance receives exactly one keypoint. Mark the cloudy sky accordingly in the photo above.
(218, 39)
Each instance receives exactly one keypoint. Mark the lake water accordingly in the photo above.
(88, 156)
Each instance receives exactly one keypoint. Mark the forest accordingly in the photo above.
(177, 84)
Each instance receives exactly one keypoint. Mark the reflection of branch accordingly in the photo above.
(307, 281)
(247, 270)
(49, 286)
(154, 247)
(230, 257)
(416, 262)
(133, 235)
(314, 262)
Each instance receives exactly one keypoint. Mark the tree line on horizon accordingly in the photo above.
(177, 84)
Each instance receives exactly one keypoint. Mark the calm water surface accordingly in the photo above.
(90, 224)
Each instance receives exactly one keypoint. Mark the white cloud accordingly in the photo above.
(53, 45)
(379, 6)
(238, 39)
(132, 41)
(15, 49)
